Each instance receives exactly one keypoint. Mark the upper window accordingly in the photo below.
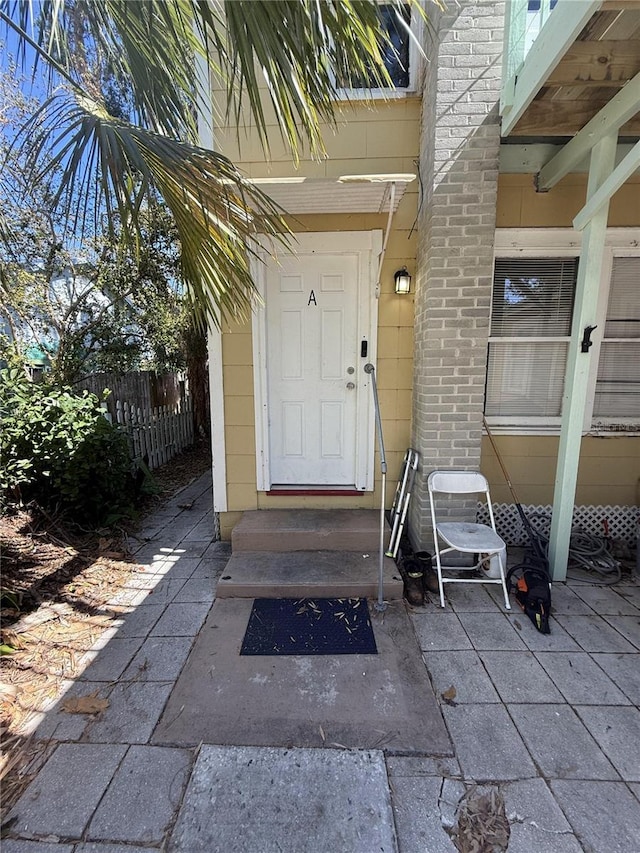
(398, 54)
(531, 317)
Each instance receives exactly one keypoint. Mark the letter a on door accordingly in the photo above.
(312, 299)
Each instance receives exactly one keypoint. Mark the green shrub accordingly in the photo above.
(58, 449)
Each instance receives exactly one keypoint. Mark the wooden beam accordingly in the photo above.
(620, 5)
(545, 118)
(616, 179)
(600, 63)
(559, 32)
(606, 123)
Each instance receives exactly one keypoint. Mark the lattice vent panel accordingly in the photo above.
(622, 521)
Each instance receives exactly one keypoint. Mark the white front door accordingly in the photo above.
(319, 329)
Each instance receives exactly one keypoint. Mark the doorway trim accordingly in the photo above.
(368, 244)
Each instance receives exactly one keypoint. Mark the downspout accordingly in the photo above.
(392, 198)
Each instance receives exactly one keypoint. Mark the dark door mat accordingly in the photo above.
(309, 626)
(383, 701)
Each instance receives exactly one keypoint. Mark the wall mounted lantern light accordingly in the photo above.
(402, 280)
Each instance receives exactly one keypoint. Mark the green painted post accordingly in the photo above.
(578, 363)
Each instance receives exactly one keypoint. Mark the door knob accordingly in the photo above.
(351, 386)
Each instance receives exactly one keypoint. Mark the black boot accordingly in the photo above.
(411, 572)
(429, 576)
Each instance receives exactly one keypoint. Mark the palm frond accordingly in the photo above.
(296, 53)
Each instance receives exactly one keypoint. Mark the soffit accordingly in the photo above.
(346, 194)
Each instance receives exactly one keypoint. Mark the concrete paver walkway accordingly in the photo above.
(552, 723)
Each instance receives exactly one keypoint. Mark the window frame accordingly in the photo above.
(416, 71)
(558, 243)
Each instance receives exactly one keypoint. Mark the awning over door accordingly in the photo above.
(346, 194)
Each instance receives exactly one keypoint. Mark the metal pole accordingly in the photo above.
(370, 369)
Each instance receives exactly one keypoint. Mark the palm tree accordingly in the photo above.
(110, 160)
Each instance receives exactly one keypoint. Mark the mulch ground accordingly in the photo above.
(56, 583)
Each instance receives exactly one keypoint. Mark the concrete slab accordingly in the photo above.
(473, 599)
(165, 590)
(58, 724)
(248, 800)
(140, 621)
(624, 671)
(518, 677)
(308, 530)
(580, 680)
(63, 796)
(417, 801)
(614, 729)
(200, 590)
(487, 743)
(594, 634)
(100, 847)
(628, 626)
(356, 701)
(557, 641)
(134, 709)
(159, 659)
(11, 845)
(410, 765)
(439, 631)
(537, 822)
(464, 671)
(181, 620)
(604, 815)
(559, 743)
(606, 601)
(566, 600)
(300, 574)
(143, 798)
(489, 631)
(112, 660)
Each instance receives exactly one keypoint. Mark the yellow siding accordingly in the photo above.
(609, 472)
(520, 206)
(367, 140)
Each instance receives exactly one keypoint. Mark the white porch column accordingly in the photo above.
(578, 363)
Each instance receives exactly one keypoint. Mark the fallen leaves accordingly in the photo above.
(88, 704)
(449, 695)
(482, 825)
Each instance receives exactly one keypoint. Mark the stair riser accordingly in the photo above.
(230, 589)
(306, 541)
(308, 530)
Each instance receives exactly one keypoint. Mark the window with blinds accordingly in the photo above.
(617, 392)
(532, 307)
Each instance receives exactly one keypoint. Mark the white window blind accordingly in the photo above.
(617, 393)
(532, 307)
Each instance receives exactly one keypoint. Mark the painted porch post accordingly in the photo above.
(578, 363)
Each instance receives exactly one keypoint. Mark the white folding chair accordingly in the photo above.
(466, 537)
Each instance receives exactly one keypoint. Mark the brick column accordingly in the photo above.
(459, 173)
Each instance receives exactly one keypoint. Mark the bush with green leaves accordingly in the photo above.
(58, 449)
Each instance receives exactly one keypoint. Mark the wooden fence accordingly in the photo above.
(158, 433)
(144, 388)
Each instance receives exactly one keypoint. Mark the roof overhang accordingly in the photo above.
(347, 194)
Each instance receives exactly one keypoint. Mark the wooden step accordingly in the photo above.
(356, 530)
(305, 574)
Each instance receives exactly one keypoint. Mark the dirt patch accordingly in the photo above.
(55, 587)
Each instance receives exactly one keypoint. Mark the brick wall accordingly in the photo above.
(459, 172)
